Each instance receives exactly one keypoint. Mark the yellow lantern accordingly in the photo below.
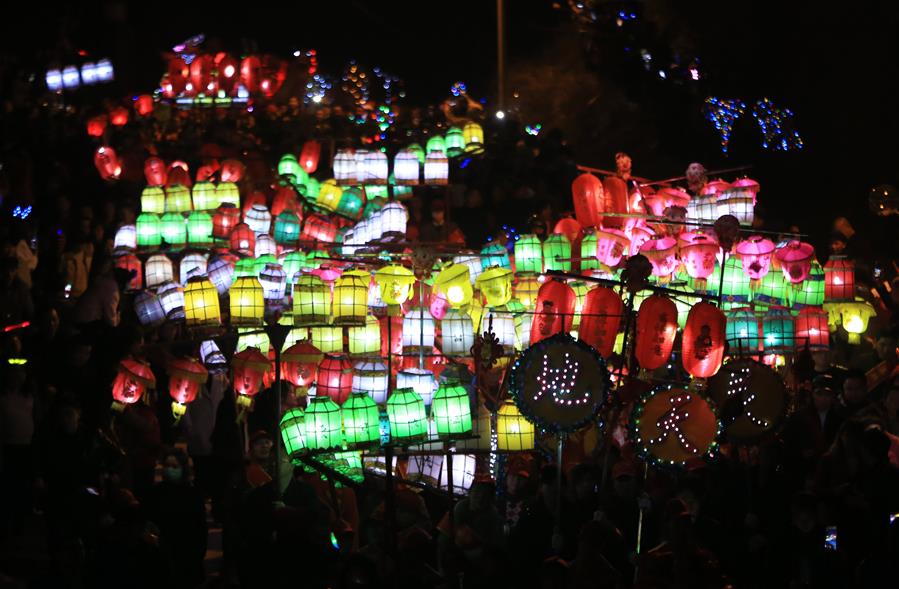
(496, 284)
(525, 290)
(152, 200)
(329, 340)
(474, 137)
(329, 195)
(395, 283)
(311, 301)
(855, 316)
(248, 337)
(351, 297)
(365, 340)
(454, 284)
(247, 301)
(513, 431)
(177, 199)
(201, 303)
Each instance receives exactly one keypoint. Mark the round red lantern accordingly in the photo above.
(662, 254)
(249, 73)
(299, 364)
(589, 200)
(96, 126)
(285, 199)
(571, 229)
(118, 116)
(201, 73)
(615, 190)
(656, 330)
(755, 255)
(697, 252)
(228, 73)
(839, 279)
(133, 377)
(143, 105)
(702, 350)
(179, 175)
(107, 163)
(795, 260)
(232, 171)
(335, 378)
(248, 366)
(225, 219)
(243, 239)
(556, 302)
(155, 171)
(185, 377)
(318, 228)
(812, 329)
(610, 246)
(310, 155)
(601, 319)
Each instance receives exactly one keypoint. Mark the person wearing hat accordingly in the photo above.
(812, 429)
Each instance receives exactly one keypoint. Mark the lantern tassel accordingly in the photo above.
(755, 284)
(700, 284)
(178, 411)
(245, 405)
(118, 407)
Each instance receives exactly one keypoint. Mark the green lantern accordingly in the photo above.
(588, 252)
(152, 200)
(149, 233)
(529, 254)
(495, 254)
(288, 166)
(557, 253)
(293, 430)
(245, 267)
(580, 292)
(809, 293)
(779, 331)
(436, 143)
(177, 199)
(361, 419)
(735, 292)
(406, 413)
(772, 291)
(323, 424)
(199, 228)
(455, 142)
(349, 464)
(373, 192)
(351, 203)
(742, 332)
(372, 206)
(287, 228)
(451, 409)
(418, 151)
(292, 263)
(312, 188)
(204, 196)
(261, 262)
(174, 230)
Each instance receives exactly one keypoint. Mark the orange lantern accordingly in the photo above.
(118, 116)
(155, 171)
(702, 349)
(589, 200)
(615, 190)
(225, 219)
(132, 379)
(96, 126)
(185, 377)
(601, 319)
(299, 364)
(285, 199)
(656, 330)
(107, 163)
(232, 171)
(335, 378)
(249, 367)
(309, 155)
(556, 302)
(143, 105)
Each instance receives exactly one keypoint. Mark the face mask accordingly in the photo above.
(172, 474)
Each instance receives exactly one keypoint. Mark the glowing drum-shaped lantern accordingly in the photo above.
(458, 333)
(365, 339)
(345, 171)
(556, 303)
(662, 254)
(496, 286)
(351, 298)
(148, 309)
(418, 331)
(742, 332)
(656, 330)
(335, 378)
(299, 364)
(132, 379)
(839, 279)
(601, 319)
(610, 246)
(201, 303)
(702, 349)
(811, 329)
(372, 377)
(185, 377)
(311, 301)
(406, 168)
(557, 253)
(528, 254)
(436, 169)
(697, 251)
(247, 302)
(795, 261)
(310, 155)
(615, 191)
(420, 380)
(739, 200)
(513, 432)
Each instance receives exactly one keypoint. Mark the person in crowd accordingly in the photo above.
(855, 398)
(16, 304)
(438, 229)
(16, 434)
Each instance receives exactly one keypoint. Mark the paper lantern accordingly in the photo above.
(259, 219)
(323, 424)
(126, 237)
(199, 229)
(418, 331)
(232, 171)
(839, 279)
(855, 316)
(311, 301)
(610, 246)
(436, 169)
(589, 200)
(273, 282)
(638, 236)
(185, 377)
(529, 254)
(514, 433)
(327, 339)
(568, 227)
(395, 282)
(329, 196)
(554, 312)
(742, 332)
(525, 290)
(474, 137)
(656, 330)
(158, 269)
(265, 247)
(406, 415)
(204, 197)
(503, 326)
(293, 430)
(374, 168)
(495, 255)
(457, 332)
(755, 254)
(177, 199)
(601, 319)
(131, 263)
(293, 262)
(661, 253)
(811, 329)
(772, 291)
(365, 340)
(245, 267)
(299, 364)
(739, 200)
(451, 409)
(133, 377)
(361, 419)
(310, 155)
(698, 251)
(201, 303)
(227, 193)
(406, 168)
(248, 366)
(795, 260)
(454, 284)
(435, 143)
(179, 175)
(335, 377)
(454, 142)
(317, 228)
(702, 349)
(152, 200)
(345, 171)
(735, 289)
(173, 229)
(247, 301)
(148, 309)
(588, 259)
(557, 253)
(156, 174)
(225, 219)
(243, 239)
(289, 166)
(373, 378)
(496, 285)
(616, 201)
(96, 126)
(171, 295)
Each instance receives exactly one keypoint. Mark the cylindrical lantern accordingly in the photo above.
(589, 201)
(226, 218)
(502, 325)
(327, 339)
(395, 283)
(454, 142)
(96, 126)
(435, 143)
(601, 319)
(199, 229)
(811, 329)
(418, 331)
(557, 253)
(588, 259)
(406, 414)
(513, 432)
(158, 269)
(361, 419)
(309, 155)
(293, 430)
(323, 424)
(406, 168)
(185, 377)
(855, 316)
(638, 236)
(610, 246)
(107, 163)
(258, 219)
(839, 279)
(772, 290)
(351, 298)
(248, 366)
(736, 283)
(126, 237)
(152, 200)
(201, 303)
(615, 196)
(311, 301)
(247, 301)
(133, 377)
(329, 195)
(317, 228)
(419, 380)
(525, 290)
(556, 303)
(755, 254)
(221, 273)
(289, 166)
(697, 252)
(372, 377)
(795, 260)
(243, 239)
(568, 227)
(345, 171)
(496, 286)
(810, 293)
(702, 349)
(742, 332)
(299, 364)
(335, 378)
(173, 229)
(265, 246)
(365, 340)
(204, 196)
(292, 262)
(274, 283)
(528, 254)
(495, 255)
(156, 174)
(474, 137)
(451, 409)
(436, 169)
(351, 203)
(394, 217)
(227, 193)
(778, 330)
(458, 333)
(177, 199)
(374, 168)
(454, 284)
(662, 255)
(656, 330)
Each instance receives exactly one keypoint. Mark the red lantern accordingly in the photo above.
(228, 70)
(702, 349)
(610, 246)
(812, 329)
(394, 344)
(556, 303)
(571, 229)
(639, 234)
(96, 126)
(335, 378)
(225, 219)
(661, 253)
(656, 330)
(155, 171)
(839, 280)
(175, 81)
(143, 105)
(601, 319)
(615, 190)
(118, 116)
(318, 228)
(249, 73)
(232, 171)
(755, 255)
(206, 171)
(697, 252)
(132, 379)
(248, 366)
(285, 198)
(310, 155)
(299, 364)
(107, 163)
(201, 74)
(185, 377)
(179, 175)
(131, 262)
(589, 200)
(795, 260)
(272, 75)
(243, 239)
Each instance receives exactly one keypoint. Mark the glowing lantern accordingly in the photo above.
(177, 199)
(811, 292)
(855, 316)
(204, 196)
(778, 330)
(656, 330)
(371, 377)
(292, 262)
(310, 155)
(661, 254)
(555, 310)
(513, 432)
(126, 237)
(739, 200)
(290, 167)
(529, 254)
(702, 349)
(406, 168)
(118, 116)
(311, 301)
(588, 259)
(158, 269)
(697, 251)
(495, 255)
(173, 229)
(458, 334)
(736, 283)
(148, 309)
(755, 254)
(436, 169)
(474, 137)
(395, 282)
(496, 285)
(232, 171)
(293, 430)
(610, 246)
(155, 172)
(327, 339)
(615, 193)
(247, 302)
(839, 279)
(243, 239)
(812, 329)
(361, 419)
(199, 229)
(130, 262)
(245, 267)
(525, 290)
(351, 203)
(323, 424)
(226, 218)
(274, 282)
(418, 331)
(568, 227)
(351, 298)
(265, 246)
(435, 143)
(221, 273)
(454, 284)
(601, 319)
(773, 290)
(318, 229)
(299, 364)
(345, 167)
(795, 260)
(503, 326)
(375, 168)
(406, 414)
(454, 142)
(227, 192)
(201, 303)
(393, 219)
(557, 253)
(171, 295)
(365, 340)
(96, 126)
(639, 236)
(313, 187)
(451, 409)
(107, 163)
(152, 200)
(185, 377)
(133, 377)
(335, 378)
(589, 201)
(178, 175)
(742, 332)
(259, 219)
(249, 366)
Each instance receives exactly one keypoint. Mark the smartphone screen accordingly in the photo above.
(830, 538)
(894, 517)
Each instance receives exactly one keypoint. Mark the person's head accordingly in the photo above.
(481, 494)
(837, 243)
(623, 164)
(822, 398)
(624, 478)
(68, 417)
(260, 446)
(175, 466)
(438, 211)
(855, 388)
(802, 510)
(584, 481)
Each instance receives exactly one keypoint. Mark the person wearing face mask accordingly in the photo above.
(178, 510)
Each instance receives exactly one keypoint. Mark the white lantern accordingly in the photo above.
(258, 219)
(149, 309)
(211, 356)
(345, 167)
(157, 270)
(371, 377)
(171, 295)
(738, 201)
(475, 268)
(703, 208)
(193, 264)
(420, 380)
(503, 326)
(375, 168)
(406, 168)
(265, 245)
(418, 331)
(393, 218)
(221, 273)
(274, 282)
(464, 468)
(126, 237)
(436, 169)
(523, 330)
(425, 469)
(458, 333)
(367, 230)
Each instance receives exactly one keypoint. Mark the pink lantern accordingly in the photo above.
(714, 187)
(755, 254)
(674, 197)
(439, 306)
(697, 252)
(747, 185)
(610, 246)
(155, 171)
(661, 253)
(639, 235)
(795, 260)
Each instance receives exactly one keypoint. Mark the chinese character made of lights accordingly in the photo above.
(672, 426)
(671, 420)
(561, 382)
(751, 397)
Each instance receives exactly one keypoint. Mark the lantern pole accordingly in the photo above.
(277, 335)
(389, 501)
(558, 511)
(421, 324)
(500, 54)
(640, 524)
(449, 485)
